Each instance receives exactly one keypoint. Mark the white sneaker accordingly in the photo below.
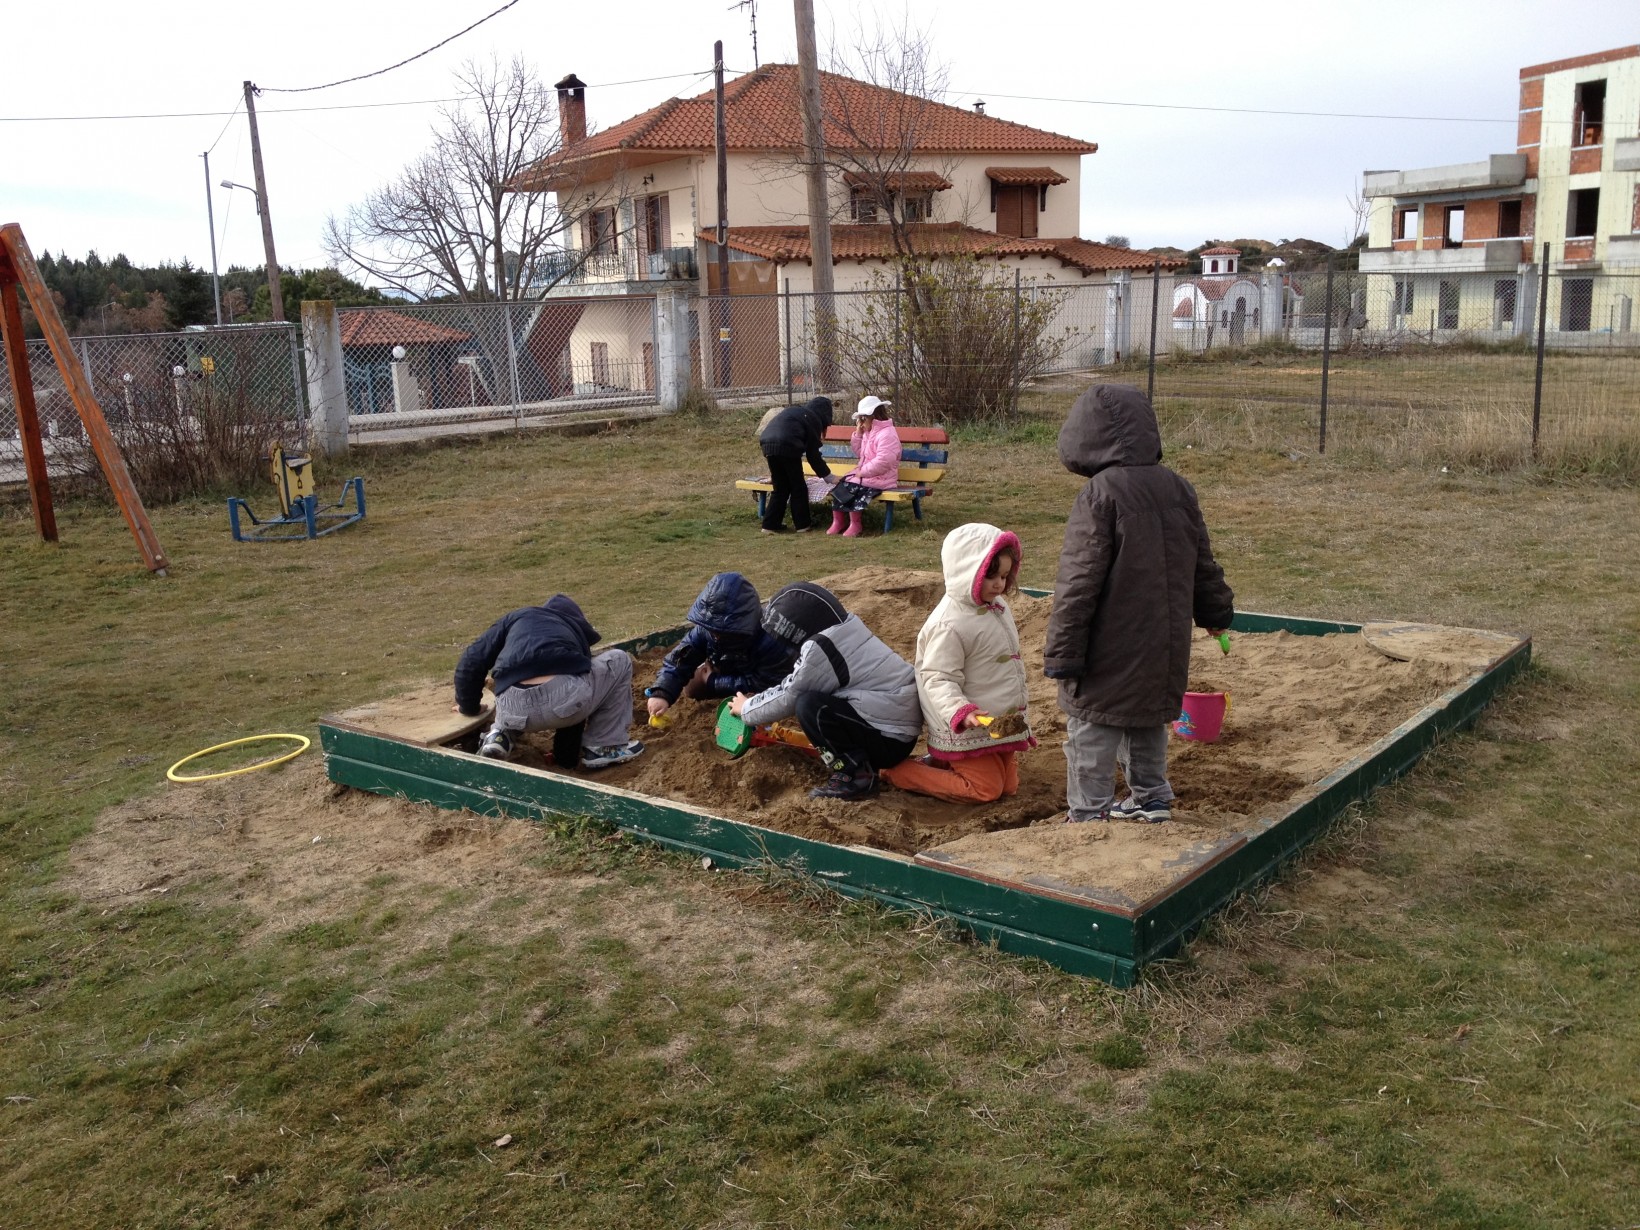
(615, 753)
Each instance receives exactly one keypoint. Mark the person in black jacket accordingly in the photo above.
(791, 435)
(546, 678)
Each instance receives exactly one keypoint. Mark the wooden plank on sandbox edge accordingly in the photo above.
(1073, 937)
(1164, 924)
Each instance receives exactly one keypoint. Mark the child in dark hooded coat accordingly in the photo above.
(724, 652)
(791, 435)
(1135, 572)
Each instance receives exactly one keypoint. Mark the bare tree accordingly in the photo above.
(878, 142)
(1359, 205)
(451, 223)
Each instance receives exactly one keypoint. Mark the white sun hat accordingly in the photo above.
(868, 406)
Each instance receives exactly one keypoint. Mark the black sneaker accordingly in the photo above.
(847, 784)
(1153, 812)
(496, 745)
(615, 753)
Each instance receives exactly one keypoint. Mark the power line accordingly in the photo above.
(409, 102)
(224, 131)
(308, 89)
(194, 115)
(1330, 115)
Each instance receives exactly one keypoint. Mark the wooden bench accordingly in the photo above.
(923, 457)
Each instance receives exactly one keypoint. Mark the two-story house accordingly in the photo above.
(962, 182)
(1463, 241)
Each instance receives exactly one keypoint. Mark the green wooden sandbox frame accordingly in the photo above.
(1085, 932)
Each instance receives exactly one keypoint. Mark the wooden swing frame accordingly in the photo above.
(17, 269)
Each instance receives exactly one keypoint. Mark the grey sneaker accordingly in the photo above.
(1153, 812)
(496, 745)
(1098, 816)
(615, 753)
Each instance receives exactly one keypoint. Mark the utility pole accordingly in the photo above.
(210, 217)
(721, 136)
(275, 296)
(814, 154)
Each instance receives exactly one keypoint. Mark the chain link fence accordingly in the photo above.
(190, 410)
(428, 364)
(1499, 354)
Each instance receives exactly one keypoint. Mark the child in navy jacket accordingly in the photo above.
(545, 677)
(726, 651)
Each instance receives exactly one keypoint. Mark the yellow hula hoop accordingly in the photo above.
(174, 776)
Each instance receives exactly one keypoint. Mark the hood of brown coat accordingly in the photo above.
(1109, 425)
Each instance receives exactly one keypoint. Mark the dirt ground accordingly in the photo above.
(1300, 707)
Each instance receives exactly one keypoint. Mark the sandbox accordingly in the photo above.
(1320, 717)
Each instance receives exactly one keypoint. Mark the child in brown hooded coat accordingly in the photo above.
(1135, 572)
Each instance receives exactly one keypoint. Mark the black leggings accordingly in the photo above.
(786, 474)
(832, 725)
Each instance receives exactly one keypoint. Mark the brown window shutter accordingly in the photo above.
(1027, 212)
(1008, 211)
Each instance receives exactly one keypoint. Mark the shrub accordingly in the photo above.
(204, 431)
(954, 338)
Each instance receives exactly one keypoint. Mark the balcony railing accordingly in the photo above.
(573, 269)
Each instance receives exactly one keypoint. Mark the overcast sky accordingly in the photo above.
(1161, 176)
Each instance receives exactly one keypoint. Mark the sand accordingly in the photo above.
(1301, 707)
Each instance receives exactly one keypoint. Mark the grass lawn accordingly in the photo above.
(1430, 1021)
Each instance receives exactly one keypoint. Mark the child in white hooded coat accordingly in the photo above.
(970, 674)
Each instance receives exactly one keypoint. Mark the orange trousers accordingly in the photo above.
(977, 779)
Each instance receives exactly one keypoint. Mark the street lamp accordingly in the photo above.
(228, 183)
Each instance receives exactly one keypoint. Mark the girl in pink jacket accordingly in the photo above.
(877, 445)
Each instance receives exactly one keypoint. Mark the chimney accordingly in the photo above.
(979, 106)
(572, 109)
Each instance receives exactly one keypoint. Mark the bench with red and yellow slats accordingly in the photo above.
(923, 459)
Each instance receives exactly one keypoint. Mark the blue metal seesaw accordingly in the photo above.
(300, 514)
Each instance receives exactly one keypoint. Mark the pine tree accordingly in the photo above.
(189, 302)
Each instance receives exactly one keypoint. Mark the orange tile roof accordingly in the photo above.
(1026, 176)
(761, 112)
(899, 181)
(1092, 257)
(869, 242)
(1220, 251)
(1215, 289)
(376, 327)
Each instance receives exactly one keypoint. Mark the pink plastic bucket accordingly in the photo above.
(1203, 716)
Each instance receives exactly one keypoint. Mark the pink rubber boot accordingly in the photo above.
(839, 519)
(855, 522)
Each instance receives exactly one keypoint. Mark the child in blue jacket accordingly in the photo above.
(546, 678)
(724, 652)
